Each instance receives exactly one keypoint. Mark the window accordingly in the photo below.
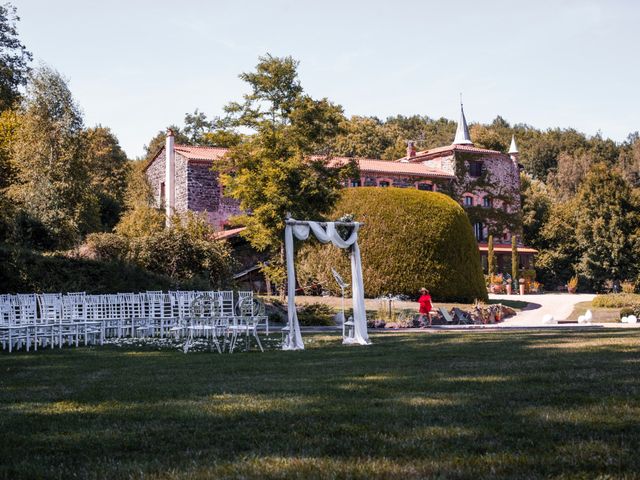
(162, 194)
(383, 183)
(355, 183)
(486, 202)
(468, 201)
(475, 168)
(478, 230)
(425, 186)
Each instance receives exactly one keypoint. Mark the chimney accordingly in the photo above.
(170, 176)
(411, 149)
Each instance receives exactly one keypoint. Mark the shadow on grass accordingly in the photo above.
(532, 404)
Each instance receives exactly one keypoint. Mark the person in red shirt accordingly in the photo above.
(425, 304)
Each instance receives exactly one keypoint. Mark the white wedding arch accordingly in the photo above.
(325, 232)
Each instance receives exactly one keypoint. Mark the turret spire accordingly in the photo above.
(513, 148)
(462, 132)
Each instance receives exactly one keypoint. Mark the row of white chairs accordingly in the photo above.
(53, 319)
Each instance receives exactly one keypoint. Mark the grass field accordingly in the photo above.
(600, 314)
(445, 405)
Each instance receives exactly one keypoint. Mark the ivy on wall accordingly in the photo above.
(497, 220)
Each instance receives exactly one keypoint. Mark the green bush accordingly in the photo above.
(316, 314)
(616, 300)
(410, 239)
(105, 246)
(24, 271)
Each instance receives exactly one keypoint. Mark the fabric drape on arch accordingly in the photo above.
(301, 231)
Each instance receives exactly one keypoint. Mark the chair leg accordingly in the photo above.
(255, 334)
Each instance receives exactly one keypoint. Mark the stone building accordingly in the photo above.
(485, 182)
(187, 182)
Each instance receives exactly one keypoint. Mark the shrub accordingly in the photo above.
(316, 314)
(628, 287)
(24, 271)
(572, 284)
(616, 300)
(105, 246)
(177, 254)
(626, 311)
(410, 239)
(141, 221)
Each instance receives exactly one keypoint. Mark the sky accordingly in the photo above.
(138, 66)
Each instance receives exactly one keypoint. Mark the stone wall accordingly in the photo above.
(197, 189)
(205, 195)
(399, 181)
(155, 176)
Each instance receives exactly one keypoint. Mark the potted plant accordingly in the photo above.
(572, 284)
(496, 283)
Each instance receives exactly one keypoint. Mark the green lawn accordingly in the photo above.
(444, 405)
(600, 314)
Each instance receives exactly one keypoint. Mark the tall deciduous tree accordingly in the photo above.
(14, 58)
(53, 183)
(273, 172)
(607, 227)
(108, 171)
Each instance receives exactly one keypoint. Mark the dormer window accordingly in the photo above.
(475, 168)
(486, 202)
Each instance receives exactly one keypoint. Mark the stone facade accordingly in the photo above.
(197, 189)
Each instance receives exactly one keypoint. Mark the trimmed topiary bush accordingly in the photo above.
(411, 239)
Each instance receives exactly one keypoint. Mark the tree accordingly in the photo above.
(607, 227)
(8, 126)
(52, 182)
(108, 170)
(536, 207)
(556, 261)
(362, 137)
(140, 219)
(491, 259)
(196, 126)
(14, 58)
(569, 173)
(514, 260)
(273, 172)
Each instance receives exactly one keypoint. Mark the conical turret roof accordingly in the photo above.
(462, 132)
(513, 148)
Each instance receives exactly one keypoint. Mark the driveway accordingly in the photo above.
(560, 305)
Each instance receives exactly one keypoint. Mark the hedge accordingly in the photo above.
(25, 271)
(410, 239)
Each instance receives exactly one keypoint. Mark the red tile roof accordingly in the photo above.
(201, 153)
(210, 154)
(394, 168)
(449, 149)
